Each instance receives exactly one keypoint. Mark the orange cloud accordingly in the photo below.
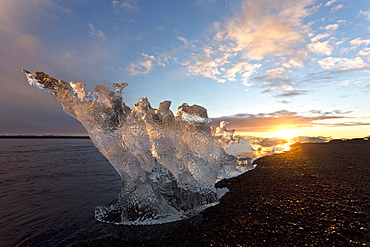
(267, 122)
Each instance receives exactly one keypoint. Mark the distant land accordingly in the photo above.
(87, 137)
(42, 137)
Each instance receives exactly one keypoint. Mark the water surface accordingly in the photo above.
(49, 190)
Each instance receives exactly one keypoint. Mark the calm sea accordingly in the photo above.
(49, 189)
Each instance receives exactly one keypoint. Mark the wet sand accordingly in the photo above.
(314, 195)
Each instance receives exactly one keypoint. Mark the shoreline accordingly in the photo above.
(316, 194)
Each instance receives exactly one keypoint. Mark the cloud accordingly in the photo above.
(365, 13)
(139, 68)
(342, 122)
(265, 28)
(336, 63)
(18, 45)
(125, 4)
(329, 113)
(319, 37)
(268, 90)
(96, 32)
(284, 101)
(146, 64)
(331, 2)
(278, 84)
(261, 29)
(365, 52)
(265, 122)
(21, 23)
(244, 68)
(185, 41)
(204, 2)
(331, 27)
(13, 29)
(280, 90)
(290, 93)
(360, 41)
(277, 73)
(208, 66)
(298, 60)
(366, 88)
(208, 69)
(336, 8)
(321, 48)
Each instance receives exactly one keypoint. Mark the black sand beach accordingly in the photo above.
(313, 195)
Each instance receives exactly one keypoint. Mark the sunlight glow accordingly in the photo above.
(286, 133)
(343, 121)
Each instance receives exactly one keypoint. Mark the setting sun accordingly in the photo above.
(287, 133)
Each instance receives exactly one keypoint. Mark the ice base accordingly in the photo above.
(157, 200)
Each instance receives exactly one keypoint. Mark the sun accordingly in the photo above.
(287, 133)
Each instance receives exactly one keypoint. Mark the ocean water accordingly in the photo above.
(49, 189)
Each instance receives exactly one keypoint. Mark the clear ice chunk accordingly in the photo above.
(168, 163)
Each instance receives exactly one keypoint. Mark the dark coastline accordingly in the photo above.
(313, 195)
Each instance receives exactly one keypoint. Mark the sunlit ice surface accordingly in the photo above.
(168, 163)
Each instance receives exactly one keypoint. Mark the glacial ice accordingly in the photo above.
(168, 163)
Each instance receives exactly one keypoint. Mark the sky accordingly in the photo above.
(270, 67)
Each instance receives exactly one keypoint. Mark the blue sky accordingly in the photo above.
(264, 65)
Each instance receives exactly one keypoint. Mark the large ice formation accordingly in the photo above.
(168, 163)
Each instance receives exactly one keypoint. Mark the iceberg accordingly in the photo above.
(312, 139)
(169, 164)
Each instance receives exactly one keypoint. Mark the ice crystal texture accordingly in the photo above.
(168, 163)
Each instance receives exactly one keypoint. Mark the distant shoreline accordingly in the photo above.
(43, 137)
(87, 137)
